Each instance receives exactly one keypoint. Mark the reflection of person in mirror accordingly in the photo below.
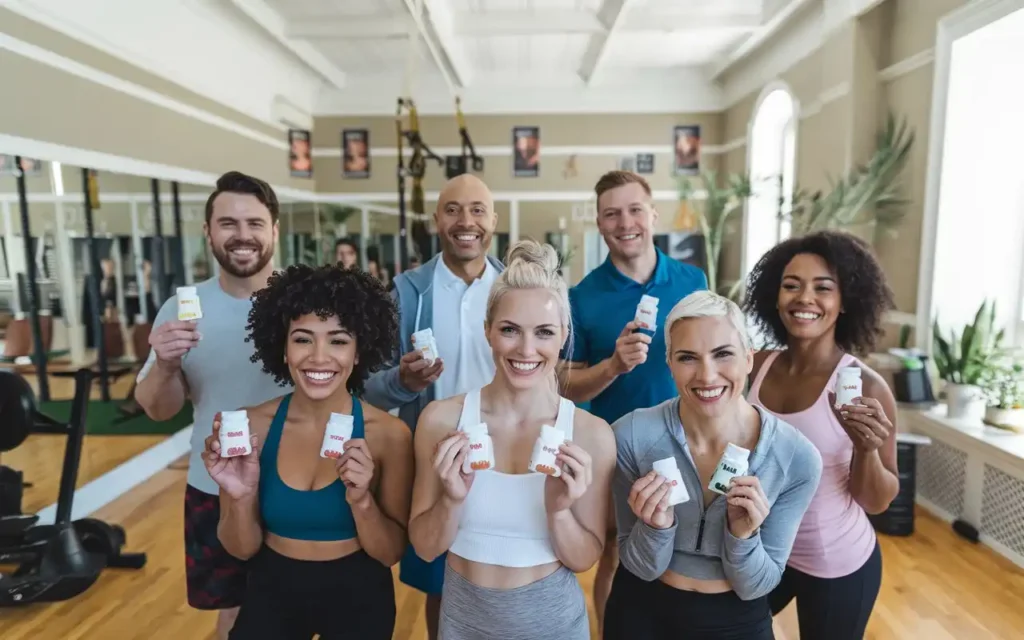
(300, 156)
(527, 152)
(357, 159)
(687, 149)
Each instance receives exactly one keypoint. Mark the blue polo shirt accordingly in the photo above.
(602, 304)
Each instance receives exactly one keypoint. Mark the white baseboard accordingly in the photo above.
(120, 480)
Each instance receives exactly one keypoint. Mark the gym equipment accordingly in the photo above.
(96, 306)
(458, 165)
(33, 287)
(60, 561)
(417, 169)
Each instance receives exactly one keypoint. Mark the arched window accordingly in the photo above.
(771, 157)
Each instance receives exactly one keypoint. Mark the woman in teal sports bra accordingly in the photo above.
(320, 533)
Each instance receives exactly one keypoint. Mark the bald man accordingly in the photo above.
(448, 294)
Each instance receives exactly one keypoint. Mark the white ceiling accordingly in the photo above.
(285, 60)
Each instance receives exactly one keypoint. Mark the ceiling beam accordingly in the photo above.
(437, 27)
(769, 29)
(262, 14)
(519, 23)
(612, 15)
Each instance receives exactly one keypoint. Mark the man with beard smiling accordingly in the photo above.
(208, 361)
(612, 365)
(448, 295)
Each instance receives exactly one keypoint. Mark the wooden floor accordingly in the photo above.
(935, 586)
(40, 457)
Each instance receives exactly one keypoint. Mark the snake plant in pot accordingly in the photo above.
(965, 360)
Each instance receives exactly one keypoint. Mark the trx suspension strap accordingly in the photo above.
(417, 169)
(470, 161)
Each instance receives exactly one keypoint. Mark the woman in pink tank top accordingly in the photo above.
(822, 297)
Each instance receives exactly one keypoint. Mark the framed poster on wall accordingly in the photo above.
(300, 153)
(355, 154)
(686, 147)
(525, 152)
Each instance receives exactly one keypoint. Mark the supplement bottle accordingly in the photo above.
(669, 469)
(848, 386)
(481, 449)
(647, 313)
(423, 341)
(188, 304)
(336, 434)
(234, 434)
(733, 463)
(545, 450)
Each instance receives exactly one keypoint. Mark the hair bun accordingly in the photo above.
(533, 253)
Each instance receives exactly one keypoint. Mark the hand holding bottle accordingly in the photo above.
(630, 349)
(577, 475)
(238, 476)
(747, 506)
(864, 421)
(355, 469)
(449, 456)
(648, 499)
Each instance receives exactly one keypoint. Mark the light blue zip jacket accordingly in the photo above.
(414, 296)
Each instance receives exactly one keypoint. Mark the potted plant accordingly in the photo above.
(964, 360)
(713, 209)
(1004, 388)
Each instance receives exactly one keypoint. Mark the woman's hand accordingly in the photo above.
(355, 469)
(864, 421)
(238, 476)
(577, 474)
(648, 499)
(747, 506)
(449, 456)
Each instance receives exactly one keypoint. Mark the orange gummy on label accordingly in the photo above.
(480, 465)
(332, 454)
(546, 469)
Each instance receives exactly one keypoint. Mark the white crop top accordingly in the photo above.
(504, 521)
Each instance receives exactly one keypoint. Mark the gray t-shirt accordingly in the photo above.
(218, 371)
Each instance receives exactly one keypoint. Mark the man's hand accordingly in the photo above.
(630, 349)
(172, 340)
(414, 373)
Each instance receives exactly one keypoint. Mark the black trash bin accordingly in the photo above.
(898, 519)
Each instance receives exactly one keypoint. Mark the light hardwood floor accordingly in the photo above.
(935, 586)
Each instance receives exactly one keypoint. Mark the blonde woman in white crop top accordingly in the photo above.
(516, 538)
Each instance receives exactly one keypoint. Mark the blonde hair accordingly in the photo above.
(530, 265)
(705, 304)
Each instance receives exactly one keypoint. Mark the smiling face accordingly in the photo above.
(465, 218)
(809, 298)
(320, 355)
(241, 233)
(709, 364)
(626, 220)
(526, 335)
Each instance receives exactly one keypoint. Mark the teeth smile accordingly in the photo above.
(632, 236)
(465, 238)
(320, 376)
(525, 366)
(708, 394)
(806, 315)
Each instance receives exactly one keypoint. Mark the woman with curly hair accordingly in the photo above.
(822, 297)
(321, 533)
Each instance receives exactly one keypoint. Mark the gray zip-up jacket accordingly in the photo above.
(414, 296)
(699, 544)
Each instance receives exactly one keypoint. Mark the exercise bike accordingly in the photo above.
(60, 561)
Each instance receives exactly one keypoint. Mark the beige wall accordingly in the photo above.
(486, 131)
(51, 105)
(837, 127)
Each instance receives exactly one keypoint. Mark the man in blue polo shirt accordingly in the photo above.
(612, 366)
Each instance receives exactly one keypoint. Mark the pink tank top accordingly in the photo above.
(835, 537)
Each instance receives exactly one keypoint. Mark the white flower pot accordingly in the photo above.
(964, 402)
(1010, 418)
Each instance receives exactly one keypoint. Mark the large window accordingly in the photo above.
(976, 186)
(772, 158)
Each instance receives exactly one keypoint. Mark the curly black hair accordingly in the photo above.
(865, 293)
(356, 298)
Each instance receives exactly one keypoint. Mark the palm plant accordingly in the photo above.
(868, 196)
(713, 212)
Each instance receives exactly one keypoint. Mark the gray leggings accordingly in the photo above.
(552, 607)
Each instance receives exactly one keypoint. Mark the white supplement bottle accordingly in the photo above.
(669, 469)
(848, 386)
(188, 304)
(481, 449)
(234, 434)
(423, 341)
(733, 463)
(545, 449)
(647, 313)
(338, 432)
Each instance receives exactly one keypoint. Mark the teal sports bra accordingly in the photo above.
(320, 514)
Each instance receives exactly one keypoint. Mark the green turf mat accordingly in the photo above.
(104, 419)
